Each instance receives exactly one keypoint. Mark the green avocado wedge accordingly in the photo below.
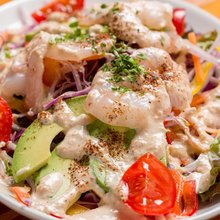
(62, 166)
(33, 148)
(100, 173)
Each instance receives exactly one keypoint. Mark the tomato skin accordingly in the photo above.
(65, 6)
(5, 121)
(39, 16)
(186, 198)
(151, 188)
(179, 15)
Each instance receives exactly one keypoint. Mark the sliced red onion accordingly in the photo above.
(67, 95)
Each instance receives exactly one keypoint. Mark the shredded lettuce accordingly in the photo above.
(214, 158)
(205, 41)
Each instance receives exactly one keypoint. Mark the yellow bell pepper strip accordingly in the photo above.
(196, 85)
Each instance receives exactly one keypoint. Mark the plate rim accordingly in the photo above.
(32, 213)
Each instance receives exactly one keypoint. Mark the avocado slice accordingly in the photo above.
(111, 134)
(33, 148)
(60, 165)
(99, 172)
(118, 139)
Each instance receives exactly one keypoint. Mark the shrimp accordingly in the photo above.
(133, 109)
(139, 22)
(52, 27)
(143, 107)
(174, 76)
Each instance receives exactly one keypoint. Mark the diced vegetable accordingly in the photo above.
(21, 194)
(5, 121)
(179, 15)
(198, 86)
(199, 99)
(99, 172)
(186, 198)
(149, 187)
(66, 6)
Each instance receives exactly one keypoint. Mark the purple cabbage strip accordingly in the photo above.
(17, 135)
(66, 95)
(89, 200)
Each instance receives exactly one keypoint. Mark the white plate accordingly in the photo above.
(10, 16)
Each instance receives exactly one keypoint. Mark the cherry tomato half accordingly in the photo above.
(66, 6)
(151, 188)
(5, 121)
(179, 15)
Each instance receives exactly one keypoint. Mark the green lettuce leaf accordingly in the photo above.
(214, 158)
(206, 40)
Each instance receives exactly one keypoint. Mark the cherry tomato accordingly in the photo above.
(5, 121)
(186, 198)
(39, 16)
(67, 6)
(179, 15)
(151, 188)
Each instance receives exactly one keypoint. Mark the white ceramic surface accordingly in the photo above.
(10, 17)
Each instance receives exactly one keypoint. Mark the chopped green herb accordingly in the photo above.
(7, 54)
(106, 29)
(77, 35)
(121, 89)
(74, 24)
(124, 67)
(218, 97)
(103, 45)
(103, 6)
(29, 37)
(115, 8)
(142, 56)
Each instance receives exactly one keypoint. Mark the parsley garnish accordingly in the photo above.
(142, 56)
(125, 67)
(29, 37)
(7, 54)
(77, 35)
(103, 6)
(115, 8)
(121, 89)
(218, 97)
(74, 24)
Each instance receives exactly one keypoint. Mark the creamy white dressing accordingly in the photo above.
(66, 119)
(200, 169)
(209, 113)
(49, 185)
(73, 145)
(137, 22)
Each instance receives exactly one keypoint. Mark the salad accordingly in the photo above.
(110, 112)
